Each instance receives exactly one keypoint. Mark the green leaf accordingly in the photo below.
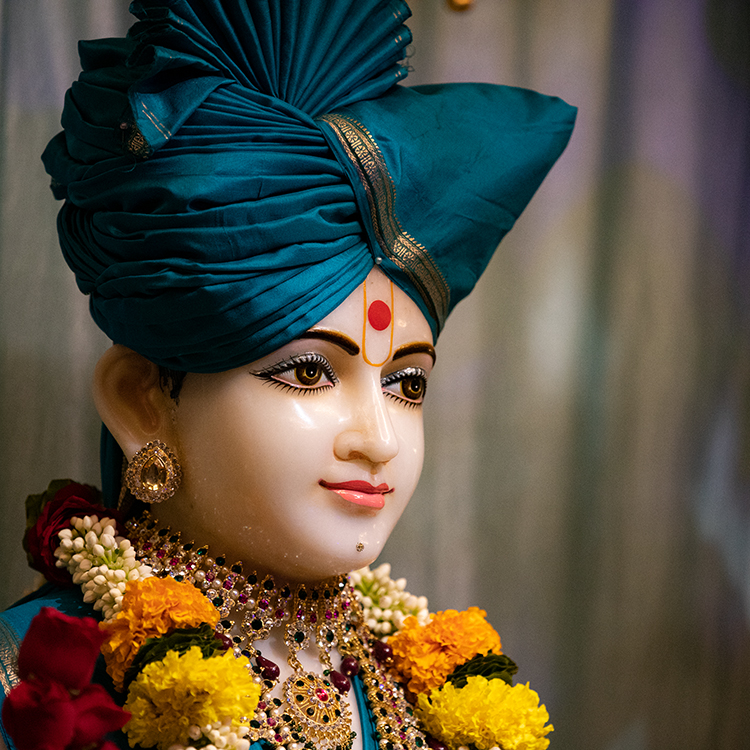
(181, 641)
(490, 666)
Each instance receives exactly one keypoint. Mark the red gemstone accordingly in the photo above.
(268, 670)
(382, 652)
(379, 315)
(225, 640)
(340, 681)
(271, 721)
(435, 744)
(321, 694)
(349, 666)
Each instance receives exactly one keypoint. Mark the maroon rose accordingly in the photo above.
(60, 648)
(43, 715)
(96, 715)
(41, 540)
(55, 707)
(39, 715)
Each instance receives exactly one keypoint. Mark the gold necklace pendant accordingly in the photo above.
(319, 710)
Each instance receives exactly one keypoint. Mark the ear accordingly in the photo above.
(129, 399)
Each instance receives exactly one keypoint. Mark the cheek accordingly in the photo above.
(409, 428)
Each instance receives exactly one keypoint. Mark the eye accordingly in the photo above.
(303, 372)
(407, 385)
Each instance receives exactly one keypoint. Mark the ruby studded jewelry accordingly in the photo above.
(308, 707)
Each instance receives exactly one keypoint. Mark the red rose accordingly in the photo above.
(60, 648)
(96, 715)
(42, 715)
(41, 540)
(55, 707)
(39, 715)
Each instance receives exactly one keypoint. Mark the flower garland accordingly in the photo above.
(189, 685)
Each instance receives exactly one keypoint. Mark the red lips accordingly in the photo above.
(357, 486)
(359, 492)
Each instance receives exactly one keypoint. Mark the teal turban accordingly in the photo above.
(233, 170)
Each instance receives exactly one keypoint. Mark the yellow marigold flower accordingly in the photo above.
(169, 696)
(426, 654)
(486, 713)
(151, 607)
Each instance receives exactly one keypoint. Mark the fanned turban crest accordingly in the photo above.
(232, 171)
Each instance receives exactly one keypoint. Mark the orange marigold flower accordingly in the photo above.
(425, 655)
(150, 608)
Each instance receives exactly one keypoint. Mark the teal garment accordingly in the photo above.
(214, 208)
(15, 621)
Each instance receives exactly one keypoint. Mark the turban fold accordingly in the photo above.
(233, 170)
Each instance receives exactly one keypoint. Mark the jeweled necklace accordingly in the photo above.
(312, 709)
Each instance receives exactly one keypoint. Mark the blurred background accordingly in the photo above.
(587, 479)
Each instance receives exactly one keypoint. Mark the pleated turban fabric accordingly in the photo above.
(233, 170)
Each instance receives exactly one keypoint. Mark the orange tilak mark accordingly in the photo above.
(364, 329)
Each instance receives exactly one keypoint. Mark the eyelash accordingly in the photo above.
(270, 374)
(400, 376)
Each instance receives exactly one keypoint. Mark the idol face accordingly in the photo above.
(301, 463)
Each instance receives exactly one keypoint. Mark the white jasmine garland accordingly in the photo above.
(221, 736)
(385, 602)
(100, 562)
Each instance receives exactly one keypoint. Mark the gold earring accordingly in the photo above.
(154, 473)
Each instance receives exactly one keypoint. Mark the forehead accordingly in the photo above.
(379, 317)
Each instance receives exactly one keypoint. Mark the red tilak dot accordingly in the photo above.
(379, 315)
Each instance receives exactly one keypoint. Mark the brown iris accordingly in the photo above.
(308, 374)
(412, 388)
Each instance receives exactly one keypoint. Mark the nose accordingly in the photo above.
(369, 435)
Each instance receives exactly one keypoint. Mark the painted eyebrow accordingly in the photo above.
(339, 339)
(406, 349)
